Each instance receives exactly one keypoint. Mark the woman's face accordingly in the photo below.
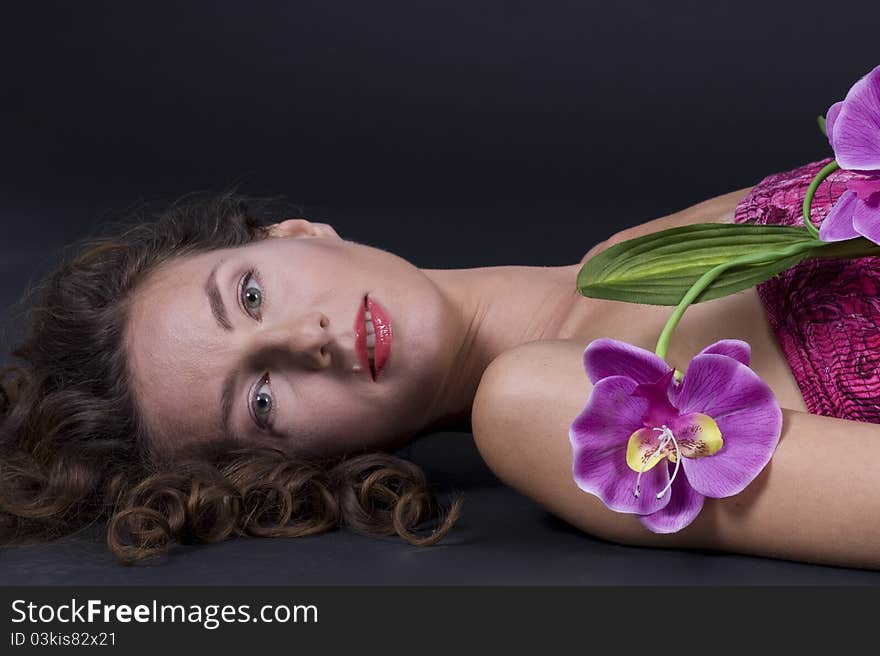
(281, 340)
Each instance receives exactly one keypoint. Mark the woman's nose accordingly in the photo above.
(306, 338)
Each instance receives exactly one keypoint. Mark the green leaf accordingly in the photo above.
(659, 268)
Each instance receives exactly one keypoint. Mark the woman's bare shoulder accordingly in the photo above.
(720, 209)
(814, 502)
(524, 405)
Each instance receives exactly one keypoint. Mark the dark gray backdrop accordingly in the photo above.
(451, 133)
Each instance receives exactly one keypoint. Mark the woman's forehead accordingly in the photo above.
(174, 345)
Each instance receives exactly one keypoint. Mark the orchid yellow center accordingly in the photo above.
(698, 437)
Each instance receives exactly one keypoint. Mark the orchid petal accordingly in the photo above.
(684, 505)
(866, 218)
(606, 475)
(746, 413)
(599, 439)
(830, 119)
(864, 187)
(609, 357)
(717, 385)
(857, 126)
(737, 349)
(610, 416)
(838, 224)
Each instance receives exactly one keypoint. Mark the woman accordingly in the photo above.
(210, 374)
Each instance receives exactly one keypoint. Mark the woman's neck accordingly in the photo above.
(499, 308)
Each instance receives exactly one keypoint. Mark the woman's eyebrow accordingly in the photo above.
(215, 299)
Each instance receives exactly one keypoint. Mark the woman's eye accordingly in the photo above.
(251, 294)
(262, 402)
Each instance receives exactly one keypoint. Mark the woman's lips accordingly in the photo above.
(382, 326)
(360, 338)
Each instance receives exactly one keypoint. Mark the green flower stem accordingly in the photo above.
(830, 168)
(706, 279)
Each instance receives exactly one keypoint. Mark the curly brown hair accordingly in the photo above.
(75, 449)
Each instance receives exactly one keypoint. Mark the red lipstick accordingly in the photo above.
(360, 338)
(382, 326)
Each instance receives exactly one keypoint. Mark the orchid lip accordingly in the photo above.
(667, 436)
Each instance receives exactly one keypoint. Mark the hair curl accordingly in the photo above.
(75, 449)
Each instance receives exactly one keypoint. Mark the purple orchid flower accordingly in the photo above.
(853, 128)
(716, 430)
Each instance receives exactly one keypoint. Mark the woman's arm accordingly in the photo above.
(818, 500)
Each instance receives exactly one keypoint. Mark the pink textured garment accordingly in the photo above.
(825, 313)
